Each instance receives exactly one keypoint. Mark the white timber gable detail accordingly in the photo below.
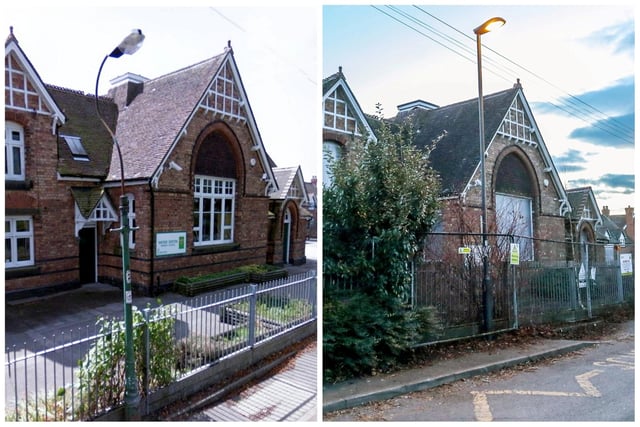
(224, 96)
(24, 91)
(518, 126)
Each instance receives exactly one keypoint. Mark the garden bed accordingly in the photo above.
(192, 286)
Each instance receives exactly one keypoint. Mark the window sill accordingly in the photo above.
(210, 249)
(18, 272)
(18, 185)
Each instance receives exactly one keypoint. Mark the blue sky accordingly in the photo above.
(66, 41)
(575, 63)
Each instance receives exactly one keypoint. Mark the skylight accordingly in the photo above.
(75, 145)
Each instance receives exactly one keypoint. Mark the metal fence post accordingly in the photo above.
(252, 315)
(619, 285)
(147, 352)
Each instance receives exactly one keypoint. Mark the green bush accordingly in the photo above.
(102, 370)
(365, 333)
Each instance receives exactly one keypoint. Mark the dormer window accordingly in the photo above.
(77, 149)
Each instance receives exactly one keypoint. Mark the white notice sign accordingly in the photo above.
(626, 264)
(171, 243)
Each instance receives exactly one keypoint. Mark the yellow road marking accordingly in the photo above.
(482, 409)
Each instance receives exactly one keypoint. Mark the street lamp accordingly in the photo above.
(487, 296)
(129, 45)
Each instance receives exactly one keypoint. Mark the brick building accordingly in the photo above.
(195, 170)
(524, 193)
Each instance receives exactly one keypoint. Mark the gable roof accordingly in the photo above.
(451, 132)
(13, 50)
(287, 178)
(152, 124)
(583, 204)
(149, 125)
(338, 81)
(82, 121)
(457, 153)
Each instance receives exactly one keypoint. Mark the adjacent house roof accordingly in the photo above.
(82, 121)
(583, 204)
(291, 184)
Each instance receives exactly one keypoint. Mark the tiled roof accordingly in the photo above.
(579, 199)
(87, 198)
(82, 121)
(149, 125)
(285, 178)
(457, 154)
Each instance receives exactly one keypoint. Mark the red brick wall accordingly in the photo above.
(51, 206)
(172, 208)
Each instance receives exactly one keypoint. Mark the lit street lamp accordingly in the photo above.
(487, 291)
(129, 45)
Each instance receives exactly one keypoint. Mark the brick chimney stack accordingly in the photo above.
(630, 220)
(605, 211)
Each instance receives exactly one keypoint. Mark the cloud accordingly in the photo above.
(620, 183)
(620, 37)
(608, 113)
(614, 132)
(570, 161)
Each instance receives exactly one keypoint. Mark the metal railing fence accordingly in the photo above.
(552, 282)
(79, 375)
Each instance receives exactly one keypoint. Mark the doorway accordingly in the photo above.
(286, 236)
(87, 257)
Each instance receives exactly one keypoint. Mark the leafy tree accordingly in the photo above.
(381, 202)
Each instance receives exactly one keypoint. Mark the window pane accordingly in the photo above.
(7, 250)
(7, 226)
(206, 227)
(24, 252)
(22, 225)
(17, 167)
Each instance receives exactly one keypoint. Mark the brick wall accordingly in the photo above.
(51, 206)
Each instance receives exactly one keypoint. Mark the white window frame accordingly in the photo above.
(213, 227)
(12, 235)
(9, 146)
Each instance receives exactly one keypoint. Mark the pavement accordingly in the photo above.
(385, 386)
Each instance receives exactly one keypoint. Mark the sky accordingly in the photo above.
(67, 42)
(575, 64)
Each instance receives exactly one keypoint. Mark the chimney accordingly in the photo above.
(630, 221)
(125, 88)
(605, 211)
(314, 180)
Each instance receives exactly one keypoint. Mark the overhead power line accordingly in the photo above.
(503, 68)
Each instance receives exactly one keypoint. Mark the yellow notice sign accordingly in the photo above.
(464, 250)
(515, 254)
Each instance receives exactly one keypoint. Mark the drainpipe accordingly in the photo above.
(153, 228)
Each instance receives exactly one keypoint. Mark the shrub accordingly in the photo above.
(102, 370)
(365, 333)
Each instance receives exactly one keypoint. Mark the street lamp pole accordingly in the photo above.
(487, 291)
(131, 397)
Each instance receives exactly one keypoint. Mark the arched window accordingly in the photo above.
(215, 183)
(514, 203)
